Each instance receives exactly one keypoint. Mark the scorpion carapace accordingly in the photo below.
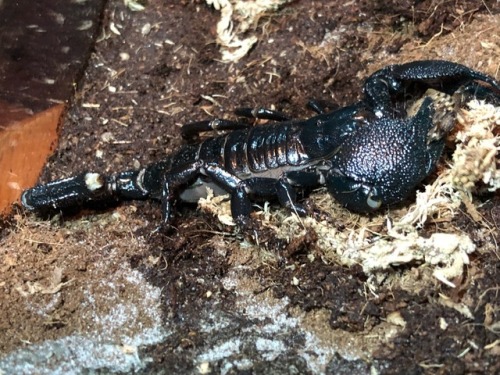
(369, 154)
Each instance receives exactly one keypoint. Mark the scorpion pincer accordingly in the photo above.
(368, 154)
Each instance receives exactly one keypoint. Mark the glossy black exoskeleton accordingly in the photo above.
(369, 154)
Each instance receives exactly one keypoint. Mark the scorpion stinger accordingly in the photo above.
(85, 188)
(369, 154)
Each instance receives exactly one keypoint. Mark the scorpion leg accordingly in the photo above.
(263, 187)
(287, 197)
(261, 113)
(184, 175)
(317, 105)
(240, 189)
(192, 129)
(173, 181)
(241, 206)
(305, 179)
(321, 106)
(476, 91)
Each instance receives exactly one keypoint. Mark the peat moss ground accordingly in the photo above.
(205, 297)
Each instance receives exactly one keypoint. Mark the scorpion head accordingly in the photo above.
(385, 160)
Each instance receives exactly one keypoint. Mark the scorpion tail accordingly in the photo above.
(83, 189)
(68, 192)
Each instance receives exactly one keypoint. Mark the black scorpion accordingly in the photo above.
(369, 154)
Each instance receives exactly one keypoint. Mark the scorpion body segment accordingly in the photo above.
(369, 154)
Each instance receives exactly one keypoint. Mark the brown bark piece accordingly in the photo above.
(44, 47)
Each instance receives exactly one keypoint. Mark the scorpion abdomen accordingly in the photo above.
(258, 151)
(275, 147)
